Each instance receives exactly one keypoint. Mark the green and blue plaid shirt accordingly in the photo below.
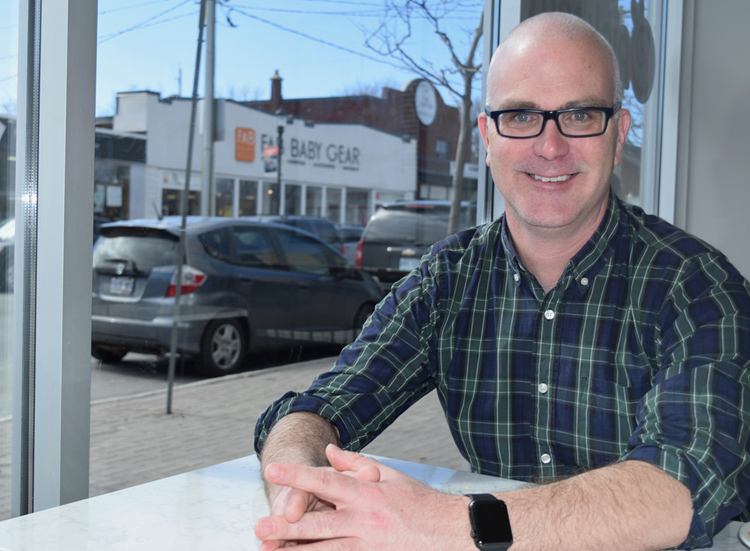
(640, 352)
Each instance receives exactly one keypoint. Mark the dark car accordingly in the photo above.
(245, 286)
(398, 234)
(316, 225)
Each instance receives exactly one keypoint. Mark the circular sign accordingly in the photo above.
(425, 101)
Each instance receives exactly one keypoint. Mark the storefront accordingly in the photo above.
(336, 170)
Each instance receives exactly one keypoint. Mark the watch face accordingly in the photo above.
(491, 524)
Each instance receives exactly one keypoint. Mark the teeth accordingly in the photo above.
(555, 179)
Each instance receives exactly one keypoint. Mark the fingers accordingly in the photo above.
(297, 502)
(325, 484)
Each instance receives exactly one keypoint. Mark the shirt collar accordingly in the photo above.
(588, 261)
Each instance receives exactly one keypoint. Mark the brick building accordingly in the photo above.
(418, 111)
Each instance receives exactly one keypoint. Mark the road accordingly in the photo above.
(136, 373)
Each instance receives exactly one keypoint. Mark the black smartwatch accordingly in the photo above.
(490, 524)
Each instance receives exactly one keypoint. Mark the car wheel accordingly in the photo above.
(364, 312)
(108, 355)
(223, 347)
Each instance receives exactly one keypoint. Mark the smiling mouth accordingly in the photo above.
(562, 178)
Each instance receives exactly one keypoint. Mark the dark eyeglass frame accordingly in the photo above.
(553, 115)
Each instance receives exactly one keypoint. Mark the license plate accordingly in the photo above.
(408, 264)
(119, 285)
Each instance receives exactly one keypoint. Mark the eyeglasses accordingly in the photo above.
(579, 122)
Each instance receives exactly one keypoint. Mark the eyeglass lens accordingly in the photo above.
(580, 122)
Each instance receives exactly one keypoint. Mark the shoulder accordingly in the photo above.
(667, 252)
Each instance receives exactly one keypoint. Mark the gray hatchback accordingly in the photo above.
(245, 286)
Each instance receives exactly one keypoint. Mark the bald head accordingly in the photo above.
(554, 31)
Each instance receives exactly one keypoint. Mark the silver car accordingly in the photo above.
(245, 286)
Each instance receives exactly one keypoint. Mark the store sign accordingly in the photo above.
(318, 154)
(244, 144)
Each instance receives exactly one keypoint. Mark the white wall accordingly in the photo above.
(713, 179)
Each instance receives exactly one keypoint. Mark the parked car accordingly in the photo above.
(316, 225)
(246, 285)
(349, 237)
(398, 234)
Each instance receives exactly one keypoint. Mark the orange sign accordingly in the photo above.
(244, 144)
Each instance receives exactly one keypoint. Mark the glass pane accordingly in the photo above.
(333, 204)
(292, 199)
(357, 207)
(270, 198)
(354, 131)
(248, 198)
(634, 31)
(314, 201)
(8, 95)
(224, 197)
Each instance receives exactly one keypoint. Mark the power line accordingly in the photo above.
(144, 23)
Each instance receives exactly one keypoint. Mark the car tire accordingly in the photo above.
(108, 355)
(223, 347)
(364, 312)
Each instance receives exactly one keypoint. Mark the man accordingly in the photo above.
(575, 341)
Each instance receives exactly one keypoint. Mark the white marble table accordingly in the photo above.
(210, 509)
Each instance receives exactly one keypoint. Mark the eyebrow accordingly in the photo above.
(588, 102)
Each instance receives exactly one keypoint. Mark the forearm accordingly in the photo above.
(299, 438)
(628, 506)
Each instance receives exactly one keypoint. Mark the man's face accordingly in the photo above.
(553, 182)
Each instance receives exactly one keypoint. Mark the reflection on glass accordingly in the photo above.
(634, 31)
(333, 204)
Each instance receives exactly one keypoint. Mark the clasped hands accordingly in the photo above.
(359, 503)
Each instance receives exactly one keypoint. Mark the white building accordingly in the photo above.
(339, 171)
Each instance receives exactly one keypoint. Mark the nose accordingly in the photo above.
(551, 144)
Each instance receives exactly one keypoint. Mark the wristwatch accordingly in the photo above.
(490, 524)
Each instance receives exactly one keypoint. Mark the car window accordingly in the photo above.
(217, 244)
(253, 247)
(144, 249)
(327, 232)
(418, 224)
(310, 256)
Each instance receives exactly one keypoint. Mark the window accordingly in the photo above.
(308, 255)
(248, 198)
(253, 247)
(224, 197)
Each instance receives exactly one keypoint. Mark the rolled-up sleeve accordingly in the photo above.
(377, 377)
(695, 421)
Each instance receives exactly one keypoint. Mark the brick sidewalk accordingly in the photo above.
(134, 440)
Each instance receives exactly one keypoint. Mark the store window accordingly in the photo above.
(248, 198)
(314, 201)
(171, 202)
(357, 207)
(292, 199)
(111, 190)
(271, 198)
(224, 197)
(333, 204)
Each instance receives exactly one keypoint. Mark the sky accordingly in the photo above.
(318, 47)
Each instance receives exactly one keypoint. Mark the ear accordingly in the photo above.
(483, 122)
(623, 125)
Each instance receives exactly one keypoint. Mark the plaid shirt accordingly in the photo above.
(640, 352)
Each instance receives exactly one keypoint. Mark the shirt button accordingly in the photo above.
(584, 281)
(542, 388)
(546, 458)
(516, 277)
(549, 314)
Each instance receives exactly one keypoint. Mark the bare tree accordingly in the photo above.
(392, 39)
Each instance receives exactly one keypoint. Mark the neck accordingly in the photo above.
(545, 252)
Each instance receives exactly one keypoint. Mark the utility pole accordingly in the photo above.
(207, 195)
